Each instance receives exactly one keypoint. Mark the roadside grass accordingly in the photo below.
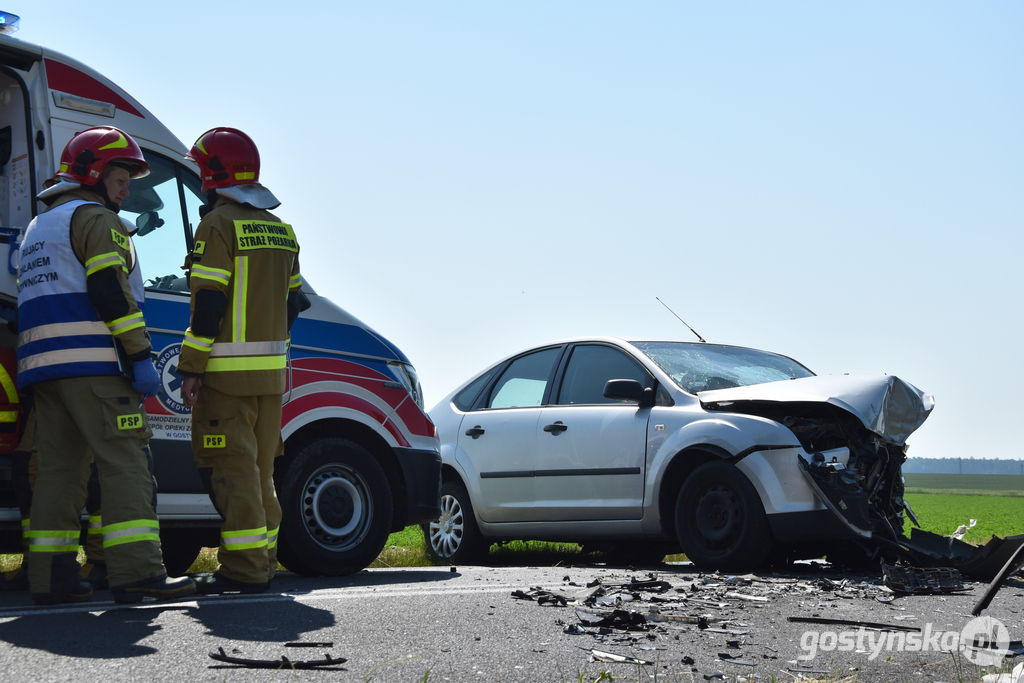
(940, 512)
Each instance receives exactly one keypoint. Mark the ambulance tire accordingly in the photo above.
(336, 508)
(180, 548)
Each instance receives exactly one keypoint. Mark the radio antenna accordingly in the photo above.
(704, 341)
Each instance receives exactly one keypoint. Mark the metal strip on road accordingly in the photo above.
(352, 593)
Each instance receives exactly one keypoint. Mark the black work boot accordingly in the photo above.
(160, 588)
(95, 574)
(219, 584)
(81, 592)
(66, 584)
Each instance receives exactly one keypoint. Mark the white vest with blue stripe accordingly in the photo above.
(60, 334)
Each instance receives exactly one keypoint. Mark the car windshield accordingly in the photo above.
(703, 367)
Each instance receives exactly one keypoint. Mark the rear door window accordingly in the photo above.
(525, 382)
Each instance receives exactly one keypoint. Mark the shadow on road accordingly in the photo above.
(286, 619)
(105, 635)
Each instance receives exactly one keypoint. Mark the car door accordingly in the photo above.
(500, 439)
(591, 450)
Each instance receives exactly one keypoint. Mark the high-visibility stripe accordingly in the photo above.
(216, 274)
(236, 364)
(295, 282)
(245, 175)
(95, 524)
(264, 348)
(131, 532)
(244, 539)
(203, 344)
(241, 297)
(272, 537)
(58, 541)
(67, 356)
(53, 330)
(132, 321)
(8, 385)
(98, 263)
(26, 526)
(8, 416)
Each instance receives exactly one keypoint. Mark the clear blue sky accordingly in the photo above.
(839, 182)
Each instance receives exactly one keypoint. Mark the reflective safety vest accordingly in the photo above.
(60, 333)
(10, 402)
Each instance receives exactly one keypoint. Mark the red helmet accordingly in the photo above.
(226, 157)
(91, 150)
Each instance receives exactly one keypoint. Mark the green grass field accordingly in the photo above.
(966, 484)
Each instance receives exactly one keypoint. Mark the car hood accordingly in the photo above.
(885, 404)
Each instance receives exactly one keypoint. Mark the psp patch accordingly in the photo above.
(214, 441)
(126, 422)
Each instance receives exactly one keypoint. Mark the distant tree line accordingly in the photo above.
(963, 466)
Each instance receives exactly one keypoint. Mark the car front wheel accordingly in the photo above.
(720, 521)
(454, 537)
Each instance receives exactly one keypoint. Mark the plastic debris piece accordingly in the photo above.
(616, 618)
(283, 663)
(541, 596)
(852, 622)
(918, 580)
(1015, 562)
(746, 598)
(962, 530)
(600, 656)
(733, 659)
(310, 644)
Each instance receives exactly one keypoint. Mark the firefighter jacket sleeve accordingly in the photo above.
(101, 242)
(211, 268)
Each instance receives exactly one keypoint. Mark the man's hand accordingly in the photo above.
(190, 390)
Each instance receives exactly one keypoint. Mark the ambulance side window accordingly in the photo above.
(162, 205)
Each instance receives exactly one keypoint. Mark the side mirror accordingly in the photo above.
(629, 390)
(147, 222)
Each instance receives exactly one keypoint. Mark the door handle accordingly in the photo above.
(555, 428)
(475, 431)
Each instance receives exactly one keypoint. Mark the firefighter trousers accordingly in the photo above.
(104, 414)
(235, 440)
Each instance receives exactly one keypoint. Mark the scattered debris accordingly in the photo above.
(283, 663)
(915, 580)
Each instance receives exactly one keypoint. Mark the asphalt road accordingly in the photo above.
(465, 625)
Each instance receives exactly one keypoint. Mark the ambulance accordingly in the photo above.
(361, 457)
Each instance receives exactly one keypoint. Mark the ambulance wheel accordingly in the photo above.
(336, 508)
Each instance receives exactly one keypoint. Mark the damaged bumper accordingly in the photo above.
(853, 433)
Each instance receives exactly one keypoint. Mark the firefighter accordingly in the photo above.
(81, 330)
(24, 467)
(245, 295)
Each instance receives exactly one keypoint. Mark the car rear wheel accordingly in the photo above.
(336, 508)
(720, 521)
(454, 537)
